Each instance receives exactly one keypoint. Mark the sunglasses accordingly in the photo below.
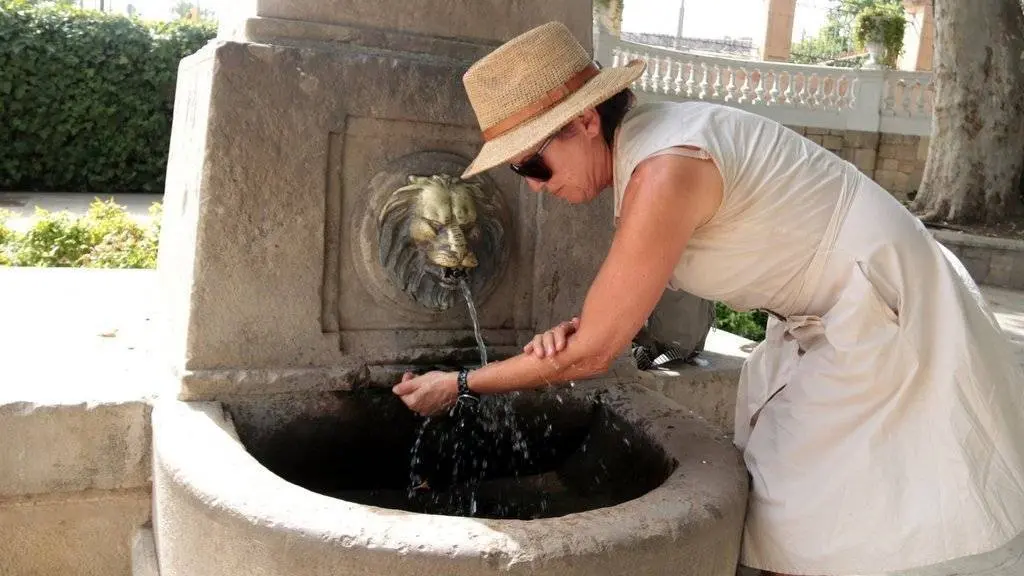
(534, 166)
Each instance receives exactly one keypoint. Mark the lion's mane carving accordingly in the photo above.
(436, 230)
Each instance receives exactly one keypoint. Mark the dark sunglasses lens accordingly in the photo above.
(533, 167)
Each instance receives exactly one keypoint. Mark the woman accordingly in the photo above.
(880, 419)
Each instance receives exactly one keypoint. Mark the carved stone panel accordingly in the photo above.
(422, 229)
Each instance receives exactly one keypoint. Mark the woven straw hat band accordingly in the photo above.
(525, 77)
(542, 104)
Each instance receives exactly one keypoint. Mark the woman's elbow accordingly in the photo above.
(596, 360)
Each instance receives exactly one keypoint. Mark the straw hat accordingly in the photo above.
(533, 85)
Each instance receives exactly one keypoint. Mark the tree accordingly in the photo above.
(976, 153)
(836, 37)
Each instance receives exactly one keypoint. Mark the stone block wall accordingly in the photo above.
(894, 161)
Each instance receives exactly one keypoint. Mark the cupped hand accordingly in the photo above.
(429, 394)
(553, 341)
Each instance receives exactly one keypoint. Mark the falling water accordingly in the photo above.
(472, 427)
(476, 322)
(415, 482)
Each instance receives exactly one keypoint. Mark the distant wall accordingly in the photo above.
(894, 161)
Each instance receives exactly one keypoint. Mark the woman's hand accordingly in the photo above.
(429, 394)
(552, 341)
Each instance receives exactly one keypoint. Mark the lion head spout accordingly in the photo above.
(436, 231)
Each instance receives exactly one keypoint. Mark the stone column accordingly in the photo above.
(291, 132)
(480, 21)
(778, 29)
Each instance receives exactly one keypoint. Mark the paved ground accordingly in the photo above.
(23, 204)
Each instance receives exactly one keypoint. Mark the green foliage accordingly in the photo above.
(106, 237)
(86, 97)
(836, 37)
(750, 325)
(55, 240)
(6, 238)
(884, 24)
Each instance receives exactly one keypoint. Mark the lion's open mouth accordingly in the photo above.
(450, 277)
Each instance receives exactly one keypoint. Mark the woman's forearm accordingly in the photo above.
(579, 360)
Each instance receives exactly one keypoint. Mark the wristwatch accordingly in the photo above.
(465, 394)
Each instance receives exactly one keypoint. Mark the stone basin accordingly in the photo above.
(604, 478)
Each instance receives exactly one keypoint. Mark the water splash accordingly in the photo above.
(489, 421)
(416, 483)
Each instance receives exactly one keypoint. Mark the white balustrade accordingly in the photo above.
(796, 95)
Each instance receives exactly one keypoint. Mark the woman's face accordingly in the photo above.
(579, 160)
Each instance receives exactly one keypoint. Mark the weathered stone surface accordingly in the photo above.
(218, 510)
(144, 562)
(55, 448)
(81, 534)
(1000, 269)
(997, 262)
(1017, 272)
(832, 142)
(492, 21)
(885, 178)
(900, 182)
(709, 387)
(977, 261)
(922, 150)
(572, 241)
(864, 159)
(258, 247)
(890, 164)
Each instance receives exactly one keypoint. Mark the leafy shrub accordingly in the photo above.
(56, 240)
(884, 24)
(86, 97)
(6, 238)
(750, 325)
(106, 237)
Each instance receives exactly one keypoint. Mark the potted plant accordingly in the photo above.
(879, 29)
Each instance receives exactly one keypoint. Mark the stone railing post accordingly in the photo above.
(867, 104)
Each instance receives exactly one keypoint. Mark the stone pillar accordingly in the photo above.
(480, 21)
(778, 29)
(291, 132)
(919, 37)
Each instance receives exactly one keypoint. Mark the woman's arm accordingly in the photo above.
(667, 198)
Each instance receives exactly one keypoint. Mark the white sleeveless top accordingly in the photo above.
(778, 188)
(880, 420)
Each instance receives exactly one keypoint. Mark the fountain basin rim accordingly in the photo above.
(196, 447)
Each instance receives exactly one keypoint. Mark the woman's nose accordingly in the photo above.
(535, 185)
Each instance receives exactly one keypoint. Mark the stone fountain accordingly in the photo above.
(315, 238)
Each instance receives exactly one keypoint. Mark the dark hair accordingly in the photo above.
(612, 111)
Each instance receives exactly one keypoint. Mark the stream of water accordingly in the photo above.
(468, 295)
(472, 427)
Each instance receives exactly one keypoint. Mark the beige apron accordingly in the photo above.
(881, 418)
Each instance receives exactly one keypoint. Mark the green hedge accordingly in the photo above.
(86, 98)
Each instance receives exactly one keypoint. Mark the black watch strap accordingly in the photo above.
(464, 391)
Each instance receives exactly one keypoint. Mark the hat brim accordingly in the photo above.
(504, 148)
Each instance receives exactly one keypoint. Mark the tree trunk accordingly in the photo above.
(976, 153)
